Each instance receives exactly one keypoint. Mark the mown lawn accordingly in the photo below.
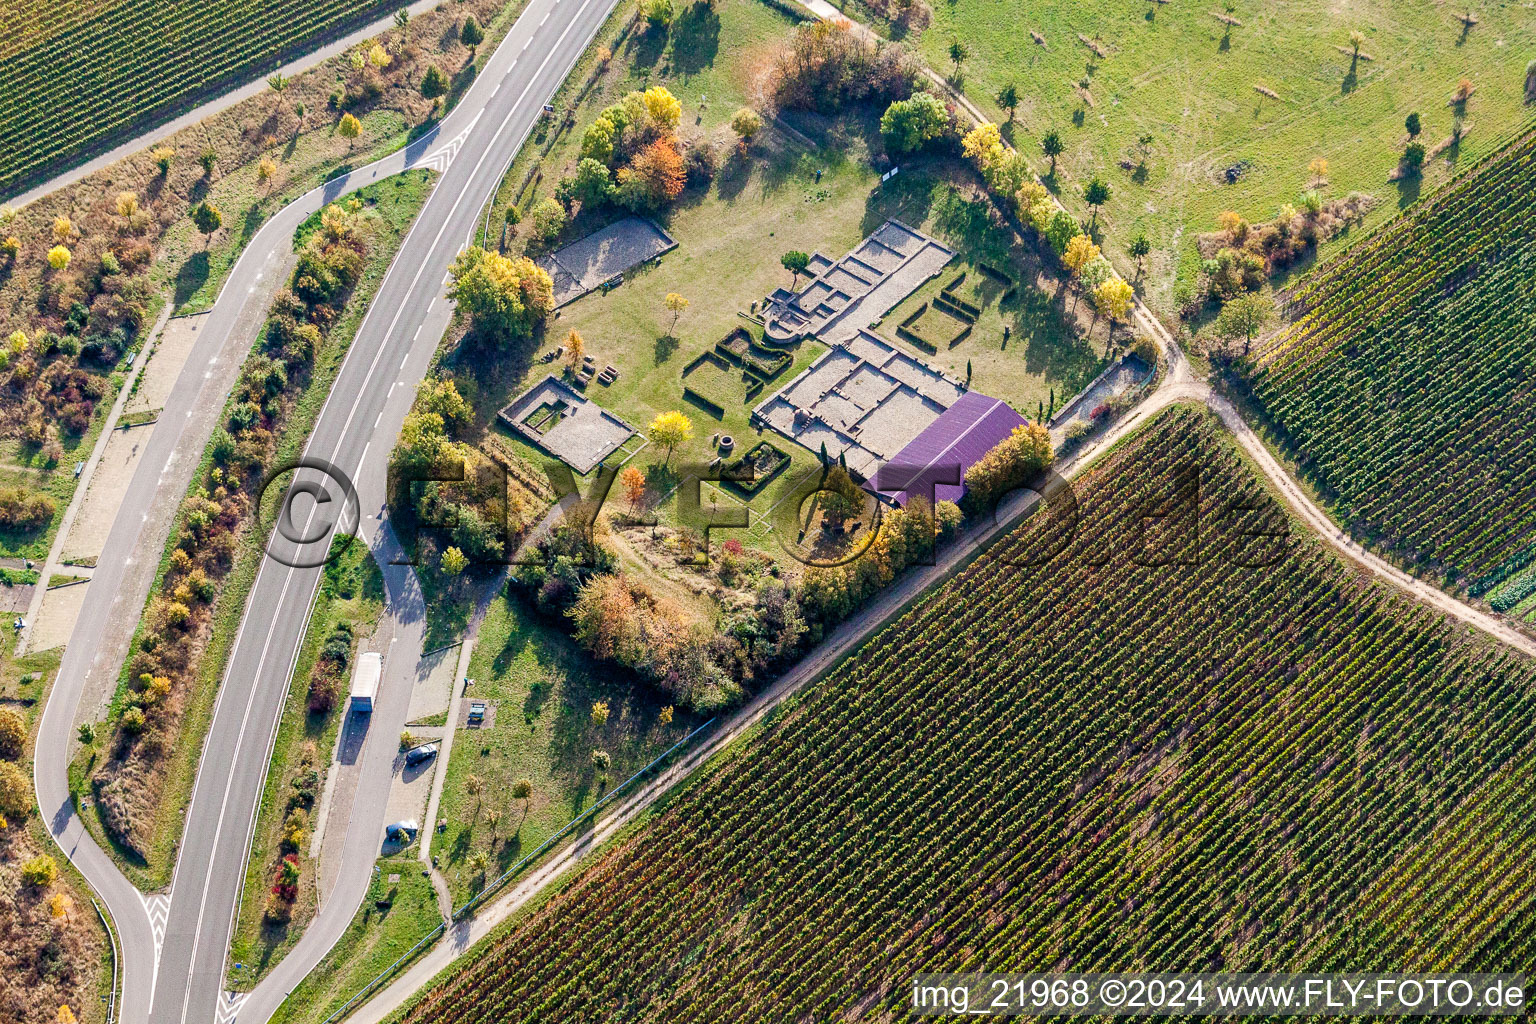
(394, 917)
(542, 688)
(1177, 73)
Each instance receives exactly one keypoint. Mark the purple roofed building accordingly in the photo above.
(939, 456)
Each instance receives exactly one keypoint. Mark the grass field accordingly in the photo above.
(1177, 73)
(542, 688)
(1165, 746)
(85, 74)
(351, 592)
(395, 915)
(1398, 384)
(812, 187)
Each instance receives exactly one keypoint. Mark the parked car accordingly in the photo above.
(416, 755)
(476, 712)
(402, 831)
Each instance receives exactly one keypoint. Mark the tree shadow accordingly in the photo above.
(1408, 189)
(192, 276)
(1351, 81)
(647, 46)
(665, 346)
(695, 38)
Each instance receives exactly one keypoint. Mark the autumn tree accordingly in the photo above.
(1008, 466)
(1318, 168)
(655, 177)
(454, 561)
(675, 304)
(1113, 298)
(671, 428)
(162, 157)
(379, 57)
(505, 297)
(633, 482)
(349, 128)
(15, 790)
(58, 257)
(13, 734)
(278, 83)
(664, 716)
(1080, 252)
(746, 124)
(664, 110)
(599, 714)
(575, 349)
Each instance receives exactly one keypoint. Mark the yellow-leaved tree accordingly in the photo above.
(664, 108)
(1080, 252)
(671, 428)
(1114, 297)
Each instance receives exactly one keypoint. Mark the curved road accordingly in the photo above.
(173, 969)
(181, 979)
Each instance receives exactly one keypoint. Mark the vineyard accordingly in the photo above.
(95, 77)
(1398, 383)
(1179, 744)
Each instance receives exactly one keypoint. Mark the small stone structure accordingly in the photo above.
(554, 416)
(602, 256)
(845, 297)
(864, 401)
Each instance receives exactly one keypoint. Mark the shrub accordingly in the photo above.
(40, 872)
(133, 721)
(434, 83)
(548, 218)
(659, 13)
(15, 790)
(911, 124)
(825, 69)
(1007, 466)
(505, 297)
(24, 509)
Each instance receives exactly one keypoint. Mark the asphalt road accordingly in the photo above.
(182, 978)
(355, 432)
